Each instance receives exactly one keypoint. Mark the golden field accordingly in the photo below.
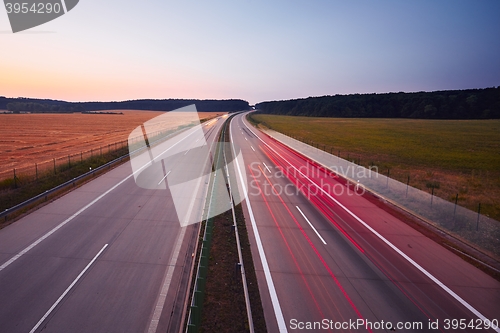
(26, 139)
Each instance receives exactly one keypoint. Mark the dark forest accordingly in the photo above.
(451, 104)
(18, 105)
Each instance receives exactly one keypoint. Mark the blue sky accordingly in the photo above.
(252, 49)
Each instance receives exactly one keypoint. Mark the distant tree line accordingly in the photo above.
(46, 105)
(170, 104)
(18, 107)
(452, 104)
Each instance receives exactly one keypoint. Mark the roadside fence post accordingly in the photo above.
(455, 208)
(432, 194)
(54, 166)
(36, 171)
(15, 179)
(407, 185)
(478, 216)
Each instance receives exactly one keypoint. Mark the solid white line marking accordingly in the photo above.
(267, 167)
(39, 240)
(155, 320)
(401, 253)
(265, 266)
(252, 148)
(313, 228)
(168, 173)
(193, 130)
(153, 325)
(67, 290)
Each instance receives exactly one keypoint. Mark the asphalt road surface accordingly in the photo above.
(109, 256)
(329, 257)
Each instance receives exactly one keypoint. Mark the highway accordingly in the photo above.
(109, 256)
(327, 257)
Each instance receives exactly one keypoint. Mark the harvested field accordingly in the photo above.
(26, 139)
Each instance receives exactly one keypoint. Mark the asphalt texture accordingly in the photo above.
(327, 256)
(51, 279)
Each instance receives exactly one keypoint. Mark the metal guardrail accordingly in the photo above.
(45, 194)
(198, 295)
(241, 265)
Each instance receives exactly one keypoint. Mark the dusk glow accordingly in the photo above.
(253, 50)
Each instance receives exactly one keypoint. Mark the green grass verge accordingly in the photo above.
(13, 192)
(453, 156)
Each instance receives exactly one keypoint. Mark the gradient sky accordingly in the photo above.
(252, 49)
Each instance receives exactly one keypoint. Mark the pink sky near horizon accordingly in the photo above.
(253, 50)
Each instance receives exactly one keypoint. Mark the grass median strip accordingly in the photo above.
(224, 304)
(219, 303)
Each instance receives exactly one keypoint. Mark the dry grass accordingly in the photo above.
(461, 156)
(26, 139)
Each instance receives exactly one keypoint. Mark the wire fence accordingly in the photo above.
(46, 167)
(436, 185)
(471, 226)
(29, 173)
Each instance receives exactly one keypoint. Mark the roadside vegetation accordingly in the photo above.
(15, 191)
(450, 157)
(224, 308)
